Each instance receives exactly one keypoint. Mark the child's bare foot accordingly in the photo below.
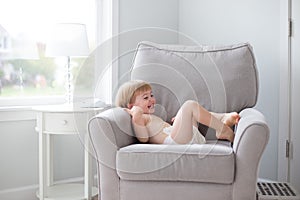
(225, 134)
(231, 119)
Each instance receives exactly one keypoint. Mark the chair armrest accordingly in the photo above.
(252, 124)
(108, 132)
(251, 138)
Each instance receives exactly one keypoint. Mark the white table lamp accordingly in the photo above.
(70, 40)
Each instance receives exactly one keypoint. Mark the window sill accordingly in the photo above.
(18, 102)
(20, 109)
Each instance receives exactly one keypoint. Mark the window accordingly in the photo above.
(25, 71)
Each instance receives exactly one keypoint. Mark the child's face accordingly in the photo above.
(145, 100)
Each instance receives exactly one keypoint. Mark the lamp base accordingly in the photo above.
(69, 85)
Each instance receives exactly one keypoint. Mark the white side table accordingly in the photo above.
(63, 119)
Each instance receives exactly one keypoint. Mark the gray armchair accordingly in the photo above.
(222, 79)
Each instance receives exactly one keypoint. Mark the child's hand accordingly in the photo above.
(128, 111)
(134, 111)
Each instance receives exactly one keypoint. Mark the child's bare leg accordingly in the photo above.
(230, 119)
(191, 111)
(182, 131)
(225, 132)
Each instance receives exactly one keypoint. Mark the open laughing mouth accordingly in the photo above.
(151, 107)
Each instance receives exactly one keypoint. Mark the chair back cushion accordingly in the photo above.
(222, 79)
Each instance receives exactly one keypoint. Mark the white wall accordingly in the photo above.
(218, 22)
(18, 142)
(151, 20)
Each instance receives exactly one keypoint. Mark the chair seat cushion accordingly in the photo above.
(212, 162)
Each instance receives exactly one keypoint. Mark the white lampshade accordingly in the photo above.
(68, 39)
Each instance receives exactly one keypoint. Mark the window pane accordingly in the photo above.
(30, 78)
(25, 71)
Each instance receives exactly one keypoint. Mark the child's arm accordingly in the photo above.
(139, 122)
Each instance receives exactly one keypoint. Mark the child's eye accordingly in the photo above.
(146, 98)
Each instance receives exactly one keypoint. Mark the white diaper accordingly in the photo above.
(198, 138)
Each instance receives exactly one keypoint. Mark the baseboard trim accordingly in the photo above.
(29, 192)
(26, 193)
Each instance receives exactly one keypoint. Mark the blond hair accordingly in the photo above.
(128, 91)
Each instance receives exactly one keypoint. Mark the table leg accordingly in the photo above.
(42, 165)
(88, 175)
(49, 159)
